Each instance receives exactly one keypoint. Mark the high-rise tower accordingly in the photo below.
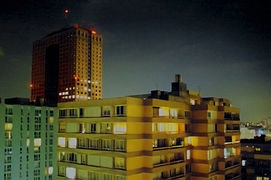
(67, 66)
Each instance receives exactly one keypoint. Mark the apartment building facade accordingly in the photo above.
(215, 139)
(28, 136)
(161, 135)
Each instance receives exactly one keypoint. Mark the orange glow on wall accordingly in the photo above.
(75, 77)
(31, 85)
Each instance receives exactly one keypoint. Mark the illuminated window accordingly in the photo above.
(188, 154)
(70, 173)
(37, 142)
(106, 127)
(119, 163)
(51, 120)
(172, 127)
(8, 135)
(233, 151)
(62, 142)
(153, 127)
(189, 141)
(161, 127)
(72, 142)
(8, 126)
(50, 170)
(243, 162)
(259, 178)
(162, 112)
(192, 102)
(27, 142)
(173, 113)
(119, 128)
(257, 149)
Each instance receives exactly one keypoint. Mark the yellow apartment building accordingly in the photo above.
(215, 139)
(162, 135)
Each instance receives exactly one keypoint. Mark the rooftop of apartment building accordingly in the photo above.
(178, 93)
(21, 101)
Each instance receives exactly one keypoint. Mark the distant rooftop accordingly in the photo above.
(256, 140)
(17, 100)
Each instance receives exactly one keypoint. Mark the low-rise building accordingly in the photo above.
(256, 158)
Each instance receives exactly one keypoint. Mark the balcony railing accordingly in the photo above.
(102, 148)
(170, 177)
(101, 116)
(232, 176)
(163, 163)
(86, 164)
(231, 164)
(231, 118)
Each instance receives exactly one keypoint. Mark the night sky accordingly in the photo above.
(220, 47)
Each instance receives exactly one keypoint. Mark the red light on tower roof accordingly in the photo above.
(92, 30)
(66, 11)
(76, 78)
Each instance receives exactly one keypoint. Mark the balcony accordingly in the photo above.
(231, 164)
(163, 163)
(172, 176)
(232, 117)
(232, 176)
(100, 148)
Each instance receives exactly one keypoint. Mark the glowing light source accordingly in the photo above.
(50, 170)
(93, 31)
(76, 78)
(31, 85)
(37, 142)
(66, 11)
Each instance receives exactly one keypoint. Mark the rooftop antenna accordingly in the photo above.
(66, 14)
(156, 86)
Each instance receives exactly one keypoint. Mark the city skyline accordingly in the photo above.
(220, 48)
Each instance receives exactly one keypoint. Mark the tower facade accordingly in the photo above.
(67, 66)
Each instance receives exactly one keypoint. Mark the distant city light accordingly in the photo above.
(66, 11)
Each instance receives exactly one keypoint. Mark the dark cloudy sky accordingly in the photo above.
(221, 47)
